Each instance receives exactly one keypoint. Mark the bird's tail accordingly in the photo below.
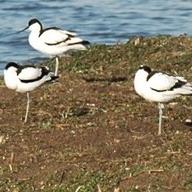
(48, 75)
(85, 43)
(78, 43)
(185, 89)
(53, 77)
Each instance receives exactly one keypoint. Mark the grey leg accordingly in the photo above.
(27, 108)
(161, 107)
(56, 65)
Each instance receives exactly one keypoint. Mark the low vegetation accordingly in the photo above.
(91, 132)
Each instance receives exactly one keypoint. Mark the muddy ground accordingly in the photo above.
(90, 128)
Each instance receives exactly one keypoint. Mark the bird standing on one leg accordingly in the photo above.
(26, 78)
(159, 87)
(53, 41)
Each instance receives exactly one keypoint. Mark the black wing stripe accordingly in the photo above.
(159, 90)
(80, 42)
(51, 44)
(55, 28)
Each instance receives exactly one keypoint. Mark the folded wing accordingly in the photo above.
(163, 82)
(55, 36)
(30, 73)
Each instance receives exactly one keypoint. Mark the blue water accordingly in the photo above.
(101, 21)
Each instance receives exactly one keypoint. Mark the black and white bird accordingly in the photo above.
(160, 87)
(53, 41)
(26, 78)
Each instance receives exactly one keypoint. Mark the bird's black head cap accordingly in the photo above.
(145, 68)
(11, 64)
(32, 21)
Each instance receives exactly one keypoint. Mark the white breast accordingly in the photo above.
(10, 79)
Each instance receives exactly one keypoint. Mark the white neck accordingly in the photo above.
(35, 28)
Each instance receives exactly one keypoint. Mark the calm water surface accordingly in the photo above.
(102, 21)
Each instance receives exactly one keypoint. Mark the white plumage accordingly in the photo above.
(24, 79)
(53, 41)
(160, 87)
